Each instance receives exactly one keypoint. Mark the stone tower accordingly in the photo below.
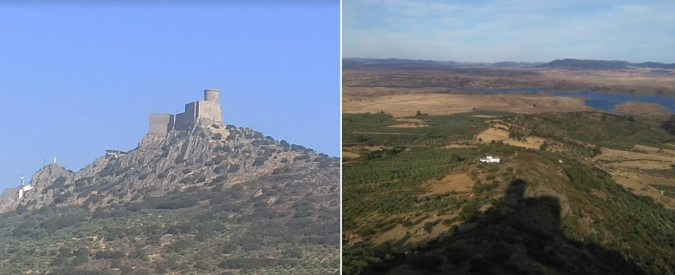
(212, 95)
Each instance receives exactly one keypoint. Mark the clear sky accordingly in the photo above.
(510, 30)
(76, 80)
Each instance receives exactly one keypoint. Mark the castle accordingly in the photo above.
(208, 109)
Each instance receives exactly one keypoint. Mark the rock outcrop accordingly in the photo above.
(208, 153)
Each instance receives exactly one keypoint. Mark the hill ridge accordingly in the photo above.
(196, 145)
(589, 64)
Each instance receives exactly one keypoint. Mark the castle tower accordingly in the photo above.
(212, 95)
(210, 107)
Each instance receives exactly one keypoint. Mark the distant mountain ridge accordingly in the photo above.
(361, 63)
(586, 64)
(355, 63)
(515, 64)
(567, 63)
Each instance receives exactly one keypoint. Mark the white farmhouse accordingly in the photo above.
(490, 159)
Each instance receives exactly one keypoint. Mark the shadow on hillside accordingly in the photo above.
(517, 235)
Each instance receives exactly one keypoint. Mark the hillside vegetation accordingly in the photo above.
(550, 210)
(213, 200)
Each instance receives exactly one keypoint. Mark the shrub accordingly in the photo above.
(301, 157)
(469, 212)
(233, 169)
(457, 254)
(428, 262)
(448, 222)
(478, 264)
(499, 256)
(259, 161)
(218, 159)
(454, 228)
(428, 227)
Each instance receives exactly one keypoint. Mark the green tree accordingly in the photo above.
(428, 227)
(596, 150)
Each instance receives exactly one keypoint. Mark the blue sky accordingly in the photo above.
(510, 30)
(77, 80)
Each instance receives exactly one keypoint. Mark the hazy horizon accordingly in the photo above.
(492, 31)
(461, 61)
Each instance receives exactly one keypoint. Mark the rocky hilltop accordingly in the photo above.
(206, 154)
(213, 188)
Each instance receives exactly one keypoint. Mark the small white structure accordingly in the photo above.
(560, 161)
(24, 188)
(115, 153)
(490, 159)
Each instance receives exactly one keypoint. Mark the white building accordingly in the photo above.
(115, 153)
(24, 188)
(490, 159)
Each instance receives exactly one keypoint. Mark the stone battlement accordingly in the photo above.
(209, 108)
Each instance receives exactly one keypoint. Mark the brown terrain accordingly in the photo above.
(636, 170)
(403, 92)
(638, 81)
(642, 108)
(402, 105)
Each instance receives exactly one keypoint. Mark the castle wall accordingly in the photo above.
(172, 122)
(159, 124)
(209, 110)
(184, 120)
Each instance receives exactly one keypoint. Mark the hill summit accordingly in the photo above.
(179, 202)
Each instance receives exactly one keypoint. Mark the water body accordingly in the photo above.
(606, 102)
(602, 101)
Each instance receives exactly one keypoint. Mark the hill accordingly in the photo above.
(579, 64)
(394, 63)
(516, 64)
(412, 64)
(568, 63)
(573, 193)
(212, 199)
